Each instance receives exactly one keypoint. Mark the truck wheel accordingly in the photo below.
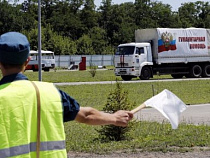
(34, 69)
(126, 77)
(206, 71)
(196, 71)
(177, 75)
(145, 73)
(46, 69)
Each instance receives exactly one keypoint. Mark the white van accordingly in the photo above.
(48, 60)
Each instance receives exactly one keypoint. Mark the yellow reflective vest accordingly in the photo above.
(18, 121)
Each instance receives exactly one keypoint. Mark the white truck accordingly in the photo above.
(178, 52)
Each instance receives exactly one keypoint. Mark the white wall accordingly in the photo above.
(98, 60)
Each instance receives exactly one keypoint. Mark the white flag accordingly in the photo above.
(169, 105)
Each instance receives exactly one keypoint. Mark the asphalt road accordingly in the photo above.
(132, 81)
(194, 114)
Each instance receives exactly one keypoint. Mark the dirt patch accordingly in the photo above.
(197, 153)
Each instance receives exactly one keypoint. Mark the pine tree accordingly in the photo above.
(117, 100)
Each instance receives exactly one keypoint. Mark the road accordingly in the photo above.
(132, 81)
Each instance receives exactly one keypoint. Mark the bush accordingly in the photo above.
(92, 69)
(117, 100)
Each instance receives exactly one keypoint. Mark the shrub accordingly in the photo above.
(92, 69)
(117, 100)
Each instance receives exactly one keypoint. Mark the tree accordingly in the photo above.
(65, 21)
(98, 37)
(105, 17)
(161, 15)
(117, 100)
(47, 10)
(203, 14)
(142, 12)
(51, 41)
(8, 17)
(187, 15)
(123, 23)
(63, 45)
(75, 5)
(68, 23)
(32, 36)
(84, 45)
(88, 16)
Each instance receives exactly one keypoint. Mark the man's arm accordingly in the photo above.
(92, 116)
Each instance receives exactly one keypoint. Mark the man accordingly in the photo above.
(32, 113)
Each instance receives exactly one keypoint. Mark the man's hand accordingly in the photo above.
(122, 118)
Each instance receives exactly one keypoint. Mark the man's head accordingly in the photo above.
(14, 48)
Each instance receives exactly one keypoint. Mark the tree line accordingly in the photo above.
(79, 27)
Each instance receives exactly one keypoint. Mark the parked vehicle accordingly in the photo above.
(48, 60)
(178, 52)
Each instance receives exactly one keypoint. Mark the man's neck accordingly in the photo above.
(10, 72)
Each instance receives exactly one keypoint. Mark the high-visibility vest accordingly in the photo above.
(18, 121)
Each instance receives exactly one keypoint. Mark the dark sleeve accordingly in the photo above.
(70, 107)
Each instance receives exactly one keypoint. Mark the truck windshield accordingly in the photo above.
(125, 50)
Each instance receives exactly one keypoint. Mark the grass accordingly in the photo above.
(79, 76)
(191, 92)
(149, 136)
(73, 76)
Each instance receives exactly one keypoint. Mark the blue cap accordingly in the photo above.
(14, 48)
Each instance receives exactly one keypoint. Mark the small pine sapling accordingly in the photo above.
(117, 100)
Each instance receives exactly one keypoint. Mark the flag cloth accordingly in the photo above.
(169, 105)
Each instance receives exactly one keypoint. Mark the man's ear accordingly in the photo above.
(27, 61)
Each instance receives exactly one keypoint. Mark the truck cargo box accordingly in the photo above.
(177, 45)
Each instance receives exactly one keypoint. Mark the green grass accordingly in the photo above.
(73, 76)
(79, 76)
(191, 92)
(149, 136)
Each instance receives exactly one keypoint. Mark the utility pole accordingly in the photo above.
(39, 41)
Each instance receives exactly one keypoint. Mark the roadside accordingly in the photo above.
(197, 153)
(132, 81)
(194, 114)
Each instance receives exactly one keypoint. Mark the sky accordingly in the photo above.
(175, 4)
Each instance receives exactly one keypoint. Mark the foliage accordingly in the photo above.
(78, 26)
(84, 45)
(117, 100)
(51, 41)
(92, 69)
(99, 43)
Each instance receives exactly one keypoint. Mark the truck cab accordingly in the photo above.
(133, 60)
